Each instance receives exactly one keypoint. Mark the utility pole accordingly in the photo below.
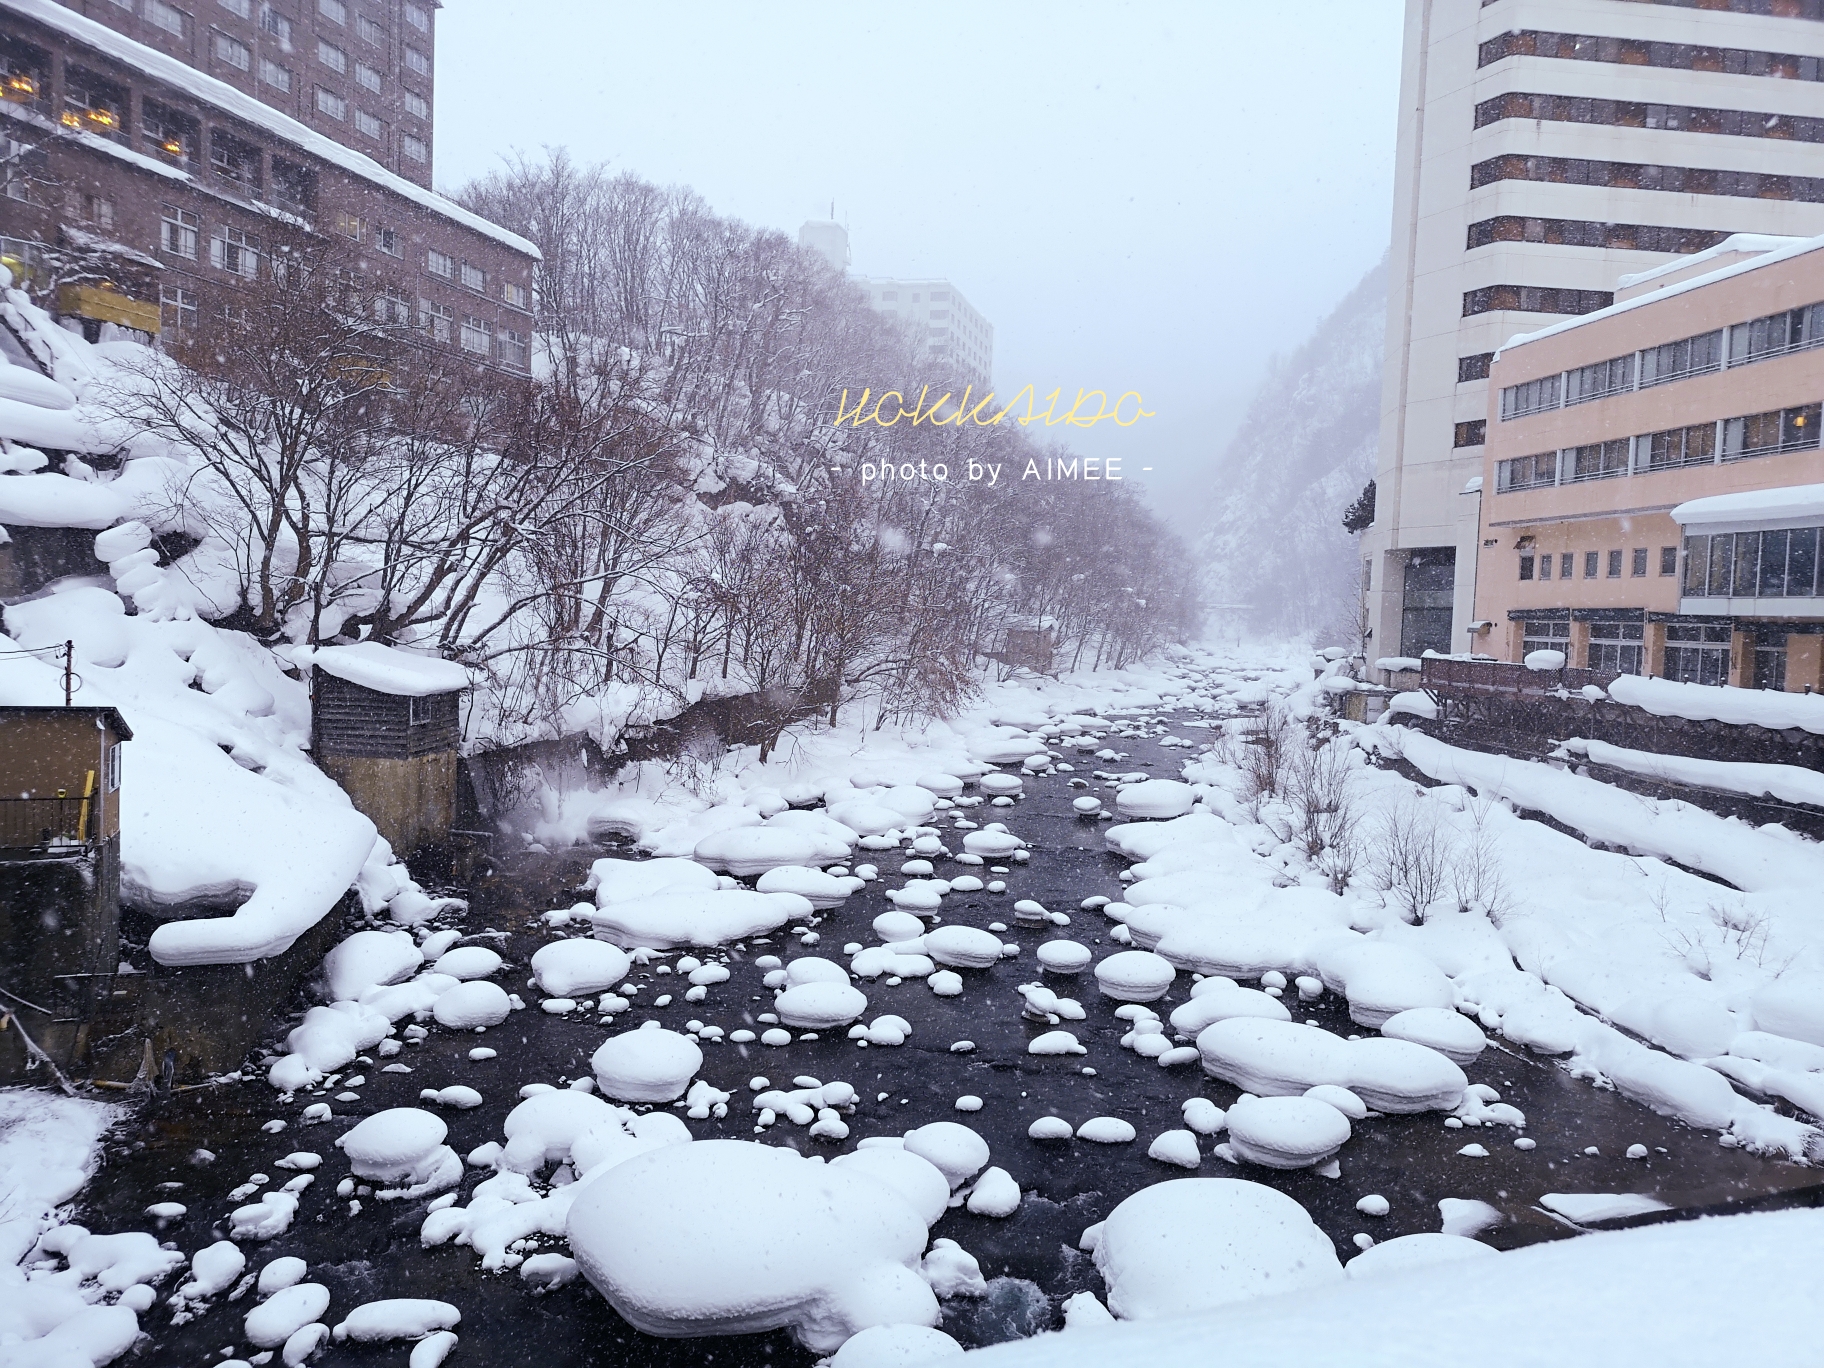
(69, 671)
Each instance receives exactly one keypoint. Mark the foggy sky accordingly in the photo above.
(1152, 197)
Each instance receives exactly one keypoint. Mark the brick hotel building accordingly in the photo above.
(171, 140)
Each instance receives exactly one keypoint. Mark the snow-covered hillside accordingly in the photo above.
(1273, 541)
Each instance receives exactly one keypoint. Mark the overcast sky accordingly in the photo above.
(1149, 196)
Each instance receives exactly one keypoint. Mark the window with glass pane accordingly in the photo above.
(1546, 636)
(1770, 664)
(1747, 563)
(1681, 447)
(1616, 646)
(1675, 360)
(1802, 562)
(1722, 565)
(1697, 565)
(1535, 396)
(1527, 472)
(1600, 380)
(1600, 460)
(1697, 653)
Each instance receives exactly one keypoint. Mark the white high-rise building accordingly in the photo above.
(1547, 148)
(954, 333)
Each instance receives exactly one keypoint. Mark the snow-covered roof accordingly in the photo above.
(1787, 506)
(387, 669)
(245, 107)
(1729, 246)
(1795, 247)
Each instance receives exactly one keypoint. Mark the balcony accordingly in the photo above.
(46, 826)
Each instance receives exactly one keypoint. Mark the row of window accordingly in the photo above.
(1689, 180)
(1583, 47)
(334, 106)
(1539, 565)
(1695, 652)
(1779, 563)
(1627, 237)
(180, 234)
(1544, 299)
(1732, 439)
(179, 23)
(1739, 123)
(1741, 344)
(477, 336)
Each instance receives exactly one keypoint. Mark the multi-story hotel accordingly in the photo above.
(1653, 486)
(951, 330)
(170, 142)
(1547, 148)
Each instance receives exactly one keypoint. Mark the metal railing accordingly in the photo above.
(1505, 677)
(46, 823)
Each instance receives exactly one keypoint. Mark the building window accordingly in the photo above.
(393, 306)
(1626, 237)
(167, 17)
(1637, 561)
(1591, 559)
(333, 10)
(476, 337)
(1695, 445)
(1545, 566)
(439, 264)
(242, 9)
(514, 350)
(294, 188)
(1554, 635)
(178, 231)
(474, 278)
(418, 17)
(1541, 299)
(1526, 472)
(1616, 647)
(1474, 367)
(1565, 562)
(1466, 434)
(414, 147)
(1668, 560)
(332, 104)
(387, 240)
(277, 25)
(176, 309)
(513, 294)
(1599, 461)
(417, 106)
(367, 77)
(1676, 360)
(371, 32)
(1697, 653)
(351, 225)
(1583, 47)
(276, 76)
(368, 125)
(93, 105)
(1776, 563)
(1535, 396)
(1526, 567)
(1767, 434)
(234, 161)
(95, 209)
(1777, 335)
(1770, 664)
(232, 52)
(417, 61)
(1599, 381)
(168, 134)
(437, 318)
(890, 294)
(234, 251)
(1736, 123)
(1683, 180)
(332, 56)
(1614, 565)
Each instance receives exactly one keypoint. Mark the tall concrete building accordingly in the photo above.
(1546, 149)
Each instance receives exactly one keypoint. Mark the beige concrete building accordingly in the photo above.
(1653, 482)
(1546, 149)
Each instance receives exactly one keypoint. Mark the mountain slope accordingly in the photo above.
(1272, 537)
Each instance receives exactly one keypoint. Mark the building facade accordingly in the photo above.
(1547, 148)
(137, 144)
(1653, 481)
(955, 334)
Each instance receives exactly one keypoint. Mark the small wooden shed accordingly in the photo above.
(386, 724)
(60, 777)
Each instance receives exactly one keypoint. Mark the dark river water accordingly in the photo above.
(1031, 1257)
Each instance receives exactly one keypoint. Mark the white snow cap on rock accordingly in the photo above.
(576, 968)
(646, 1065)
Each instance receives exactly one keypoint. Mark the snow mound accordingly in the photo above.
(1135, 976)
(615, 881)
(366, 960)
(1286, 1132)
(1445, 1030)
(1414, 1251)
(468, 1005)
(821, 890)
(895, 1346)
(1380, 980)
(1283, 1059)
(821, 1005)
(952, 1148)
(747, 851)
(665, 921)
(1064, 956)
(1227, 999)
(577, 968)
(1190, 1244)
(1155, 799)
(737, 1238)
(647, 1065)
